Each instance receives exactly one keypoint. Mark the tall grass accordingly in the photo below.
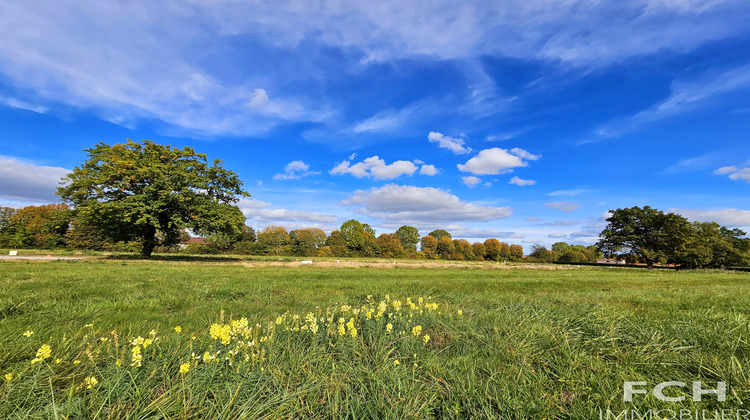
(528, 344)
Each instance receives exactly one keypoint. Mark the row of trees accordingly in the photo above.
(56, 225)
(358, 239)
(564, 252)
(649, 236)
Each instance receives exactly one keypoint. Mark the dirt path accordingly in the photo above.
(38, 257)
(386, 264)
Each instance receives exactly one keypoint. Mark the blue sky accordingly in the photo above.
(520, 120)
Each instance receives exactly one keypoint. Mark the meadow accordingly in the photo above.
(224, 339)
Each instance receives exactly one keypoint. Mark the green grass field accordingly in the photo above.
(516, 343)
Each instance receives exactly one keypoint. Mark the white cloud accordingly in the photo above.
(295, 170)
(734, 173)
(497, 161)
(29, 183)
(429, 170)
(259, 213)
(565, 206)
(77, 53)
(557, 235)
(15, 103)
(504, 136)
(455, 145)
(471, 181)
(397, 204)
(724, 170)
(375, 167)
(569, 193)
(521, 182)
(725, 217)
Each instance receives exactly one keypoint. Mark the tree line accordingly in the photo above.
(58, 226)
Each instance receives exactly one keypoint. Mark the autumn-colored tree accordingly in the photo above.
(428, 246)
(439, 233)
(275, 237)
(492, 249)
(445, 247)
(39, 226)
(390, 246)
(479, 250)
(504, 251)
(307, 241)
(516, 252)
(463, 250)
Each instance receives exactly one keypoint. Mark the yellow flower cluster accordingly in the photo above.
(44, 352)
(236, 341)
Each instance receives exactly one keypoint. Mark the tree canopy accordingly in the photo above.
(133, 191)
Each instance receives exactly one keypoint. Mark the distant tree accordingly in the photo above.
(439, 233)
(712, 245)
(5, 214)
(463, 251)
(516, 252)
(540, 253)
(428, 246)
(504, 251)
(39, 226)
(409, 236)
(337, 244)
(445, 247)
(275, 237)
(141, 188)
(306, 242)
(492, 249)
(644, 234)
(354, 235)
(389, 246)
(369, 230)
(561, 247)
(572, 256)
(478, 249)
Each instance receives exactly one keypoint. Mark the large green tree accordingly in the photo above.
(138, 189)
(644, 234)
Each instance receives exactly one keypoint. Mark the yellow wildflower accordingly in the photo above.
(352, 329)
(136, 359)
(76, 362)
(8, 376)
(58, 361)
(137, 341)
(417, 330)
(185, 368)
(28, 333)
(118, 362)
(178, 329)
(460, 312)
(396, 363)
(43, 353)
(147, 342)
(426, 338)
(389, 327)
(90, 382)
(88, 325)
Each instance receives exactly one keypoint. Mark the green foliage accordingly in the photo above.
(137, 189)
(306, 242)
(492, 249)
(439, 233)
(36, 226)
(409, 236)
(389, 246)
(650, 236)
(354, 235)
(528, 343)
(516, 252)
(337, 244)
(445, 247)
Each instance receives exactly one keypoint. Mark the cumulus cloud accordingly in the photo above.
(375, 167)
(429, 170)
(418, 206)
(295, 170)
(471, 181)
(455, 145)
(734, 173)
(557, 235)
(521, 182)
(259, 213)
(725, 217)
(29, 183)
(565, 206)
(497, 161)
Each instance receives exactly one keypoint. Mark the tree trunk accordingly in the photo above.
(149, 242)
